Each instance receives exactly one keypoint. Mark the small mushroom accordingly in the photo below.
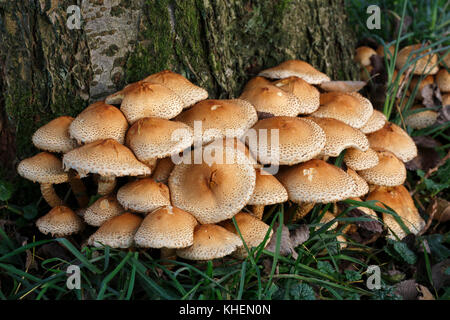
(443, 80)
(363, 55)
(389, 171)
(422, 119)
(54, 136)
(426, 64)
(308, 96)
(376, 121)
(297, 68)
(102, 210)
(61, 221)
(360, 160)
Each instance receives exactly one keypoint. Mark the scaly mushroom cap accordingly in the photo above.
(105, 157)
(376, 121)
(394, 139)
(167, 227)
(60, 221)
(316, 181)
(350, 108)
(102, 210)
(424, 82)
(340, 136)
(360, 160)
(421, 119)
(144, 99)
(252, 229)
(299, 140)
(99, 121)
(342, 86)
(43, 168)
(427, 64)
(268, 190)
(363, 55)
(220, 118)
(118, 232)
(151, 138)
(307, 95)
(236, 144)
(143, 195)
(210, 242)
(389, 171)
(188, 92)
(398, 199)
(296, 68)
(362, 188)
(213, 192)
(443, 80)
(54, 136)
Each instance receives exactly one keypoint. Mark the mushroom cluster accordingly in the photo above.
(141, 146)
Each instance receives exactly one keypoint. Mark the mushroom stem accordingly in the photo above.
(258, 211)
(168, 254)
(106, 185)
(78, 188)
(303, 209)
(151, 163)
(49, 194)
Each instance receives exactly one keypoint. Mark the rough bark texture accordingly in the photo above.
(48, 70)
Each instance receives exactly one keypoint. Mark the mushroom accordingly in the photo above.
(363, 55)
(109, 159)
(390, 49)
(61, 221)
(443, 80)
(362, 188)
(376, 121)
(102, 210)
(46, 169)
(54, 136)
(210, 242)
(163, 169)
(342, 86)
(308, 96)
(389, 171)
(446, 99)
(422, 119)
(296, 68)
(425, 65)
(117, 232)
(360, 160)
(327, 217)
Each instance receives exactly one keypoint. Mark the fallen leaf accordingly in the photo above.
(299, 235)
(427, 157)
(442, 211)
(289, 239)
(444, 115)
(431, 96)
(439, 276)
(407, 289)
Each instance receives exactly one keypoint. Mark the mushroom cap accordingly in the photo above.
(54, 136)
(268, 190)
(446, 99)
(394, 139)
(391, 49)
(210, 242)
(308, 96)
(105, 157)
(299, 140)
(236, 144)
(443, 80)
(143, 195)
(316, 181)
(399, 199)
(376, 121)
(252, 229)
(163, 169)
(220, 118)
(389, 171)
(158, 138)
(327, 217)
(340, 136)
(102, 210)
(421, 119)
(427, 64)
(166, 227)
(60, 221)
(145, 99)
(423, 82)
(360, 160)
(342, 86)
(214, 192)
(117, 232)
(296, 68)
(43, 168)
(350, 108)
(362, 188)
(188, 92)
(99, 121)
(363, 55)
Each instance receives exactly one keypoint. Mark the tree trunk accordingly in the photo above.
(48, 69)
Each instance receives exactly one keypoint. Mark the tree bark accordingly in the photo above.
(48, 69)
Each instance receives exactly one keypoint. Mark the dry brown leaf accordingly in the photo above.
(442, 211)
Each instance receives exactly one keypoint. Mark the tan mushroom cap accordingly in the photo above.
(143, 195)
(421, 119)
(427, 64)
(163, 169)
(268, 190)
(99, 121)
(389, 171)
(340, 136)
(166, 227)
(394, 139)
(144, 99)
(391, 49)
(151, 138)
(376, 121)
(214, 192)
(219, 118)
(188, 92)
(295, 68)
(342, 86)
(327, 217)
(43, 168)
(399, 199)
(350, 108)
(423, 82)
(362, 188)
(54, 136)
(210, 242)
(105, 157)
(446, 99)
(253, 232)
(360, 160)
(443, 80)
(117, 232)
(363, 55)
(102, 210)
(60, 221)
(299, 140)
(308, 96)
(316, 181)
